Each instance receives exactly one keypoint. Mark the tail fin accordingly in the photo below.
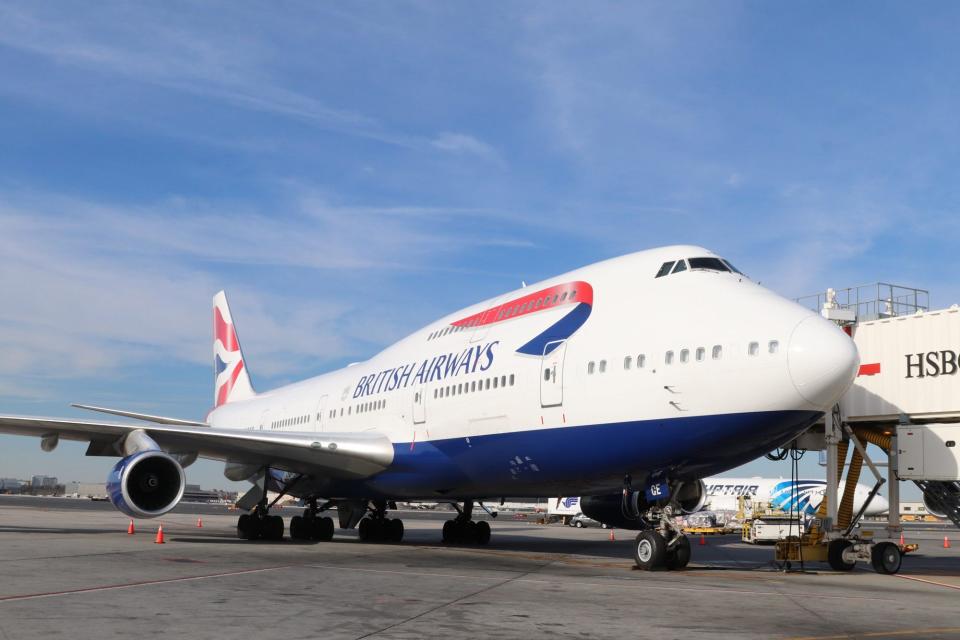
(231, 380)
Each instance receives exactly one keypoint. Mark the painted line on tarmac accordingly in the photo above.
(612, 582)
(918, 579)
(142, 583)
(882, 634)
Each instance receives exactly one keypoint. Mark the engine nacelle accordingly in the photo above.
(692, 496)
(611, 510)
(146, 484)
(932, 509)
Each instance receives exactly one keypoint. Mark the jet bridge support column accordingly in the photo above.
(831, 495)
(893, 488)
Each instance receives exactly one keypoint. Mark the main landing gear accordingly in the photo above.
(663, 546)
(260, 525)
(463, 530)
(377, 527)
(311, 526)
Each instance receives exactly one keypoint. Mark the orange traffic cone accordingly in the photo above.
(901, 539)
(199, 523)
(613, 538)
(946, 542)
(130, 529)
(703, 540)
(159, 539)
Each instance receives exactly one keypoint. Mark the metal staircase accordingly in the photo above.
(943, 496)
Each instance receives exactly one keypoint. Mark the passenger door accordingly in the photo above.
(551, 373)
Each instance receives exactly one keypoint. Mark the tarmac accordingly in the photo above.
(69, 569)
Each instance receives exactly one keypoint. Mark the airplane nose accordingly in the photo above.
(823, 361)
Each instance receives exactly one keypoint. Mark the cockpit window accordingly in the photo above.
(732, 268)
(681, 266)
(713, 264)
(665, 269)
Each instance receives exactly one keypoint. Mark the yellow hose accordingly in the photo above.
(845, 511)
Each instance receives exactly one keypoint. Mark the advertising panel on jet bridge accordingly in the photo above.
(908, 365)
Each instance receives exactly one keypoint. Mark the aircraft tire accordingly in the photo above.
(365, 530)
(273, 528)
(679, 556)
(449, 532)
(650, 551)
(835, 555)
(297, 529)
(394, 530)
(483, 532)
(886, 558)
(248, 527)
(325, 529)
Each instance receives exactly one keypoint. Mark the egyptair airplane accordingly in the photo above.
(627, 380)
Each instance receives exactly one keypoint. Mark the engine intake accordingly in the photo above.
(611, 510)
(146, 484)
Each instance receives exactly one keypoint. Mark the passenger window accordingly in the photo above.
(494, 382)
(603, 366)
(681, 266)
(473, 386)
(434, 394)
(665, 269)
(641, 361)
(590, 366)
(627, 362)
(684, 356)
(773, 347)
(668, 359)
(563, 297)
(701, 352)
(487, 386)
(511, 379)
(503, 381)
(717, 352)
(546, 375)
(754, 348)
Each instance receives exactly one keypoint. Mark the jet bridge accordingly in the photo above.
(906, 401)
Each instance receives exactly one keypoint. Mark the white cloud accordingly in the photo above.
(464, 143)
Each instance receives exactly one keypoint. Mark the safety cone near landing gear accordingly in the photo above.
(703, 540)
(901, 539)
(130, 529)
(613, 538)
(199, 523)
(946, 542)
(159, 539)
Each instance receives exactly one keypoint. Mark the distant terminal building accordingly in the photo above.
(193, 493)
(44, 482)
(11, 485)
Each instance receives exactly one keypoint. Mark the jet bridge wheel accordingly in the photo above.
(835, 555)
(886, 558)
(650, 551)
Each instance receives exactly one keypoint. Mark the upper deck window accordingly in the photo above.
(713, 264)
(665, 269)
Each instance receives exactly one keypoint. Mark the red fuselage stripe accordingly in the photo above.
(549, 298)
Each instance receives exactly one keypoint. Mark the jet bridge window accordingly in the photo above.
(711, 264)
(665, 268)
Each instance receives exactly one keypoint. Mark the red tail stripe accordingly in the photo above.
(224, 332)
(869, 369)
(578, 291)
(228, 385)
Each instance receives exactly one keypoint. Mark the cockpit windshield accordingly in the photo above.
(702, 264)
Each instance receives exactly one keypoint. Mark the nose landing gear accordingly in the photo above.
(663, 546)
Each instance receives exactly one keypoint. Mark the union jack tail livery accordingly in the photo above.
(231, 380)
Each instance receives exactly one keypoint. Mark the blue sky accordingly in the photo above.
(347, 172)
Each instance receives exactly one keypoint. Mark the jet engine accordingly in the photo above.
(146, 484)
(614, 511)
(933, 506)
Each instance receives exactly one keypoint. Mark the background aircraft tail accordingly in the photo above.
(231, 379)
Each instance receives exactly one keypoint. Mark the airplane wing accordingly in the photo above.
(141, 416)
(327, 454)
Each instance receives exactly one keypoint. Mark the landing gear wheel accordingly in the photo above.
(650, 551)
(679, 556)
(323, 529)
(449, 532)
(394, 530)
(886, 558)
(248, 527)
(365, 530)
(483, 532)
(835, 555)
(272, 528)
(297, 529)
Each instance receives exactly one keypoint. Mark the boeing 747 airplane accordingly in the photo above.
(628, 381)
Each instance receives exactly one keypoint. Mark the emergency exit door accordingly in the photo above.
(551, 373)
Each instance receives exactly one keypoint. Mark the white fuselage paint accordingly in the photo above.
(633, 313)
